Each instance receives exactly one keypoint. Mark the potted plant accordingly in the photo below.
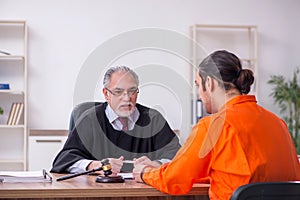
(1, 111)
(286, 94)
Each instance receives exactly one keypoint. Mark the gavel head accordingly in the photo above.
(106, 167)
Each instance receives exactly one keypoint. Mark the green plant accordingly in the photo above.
(1, 111)
(286, 94)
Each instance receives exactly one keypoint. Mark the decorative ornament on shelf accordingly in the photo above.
(286, 94)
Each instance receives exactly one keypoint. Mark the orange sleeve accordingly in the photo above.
(178, 176)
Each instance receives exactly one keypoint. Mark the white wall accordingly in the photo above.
(64, 33)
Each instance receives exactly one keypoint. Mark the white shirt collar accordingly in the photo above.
(113, 118)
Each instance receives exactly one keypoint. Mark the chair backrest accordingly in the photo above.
(78, 110)
(268, 191)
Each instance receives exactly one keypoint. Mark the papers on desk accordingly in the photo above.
(24, 176)
(126, 175)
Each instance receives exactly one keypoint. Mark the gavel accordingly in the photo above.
(106, 168)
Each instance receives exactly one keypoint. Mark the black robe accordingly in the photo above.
(94, 138)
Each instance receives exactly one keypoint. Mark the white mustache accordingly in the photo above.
(125, 104)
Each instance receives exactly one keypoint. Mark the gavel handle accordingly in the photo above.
(78, 174)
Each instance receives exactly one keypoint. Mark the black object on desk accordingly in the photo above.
(110, 179)
(100, 179)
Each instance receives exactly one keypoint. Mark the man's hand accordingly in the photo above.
(144, 160)
(93, 165)
(141, 165)
(137, 170)
(115, 163)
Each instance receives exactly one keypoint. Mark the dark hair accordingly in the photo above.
(226, 68)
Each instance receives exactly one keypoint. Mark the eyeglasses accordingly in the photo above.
(120, 92)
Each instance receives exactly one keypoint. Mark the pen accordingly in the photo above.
(128, 161)
(78, 174)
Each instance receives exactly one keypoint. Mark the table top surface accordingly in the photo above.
(85, 186)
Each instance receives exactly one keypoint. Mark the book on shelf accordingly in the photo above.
(4, 86)
(25, 176)
(11, 113)
(4, 53)
(15, 114)
(19, 113)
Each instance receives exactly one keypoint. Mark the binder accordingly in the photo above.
(199, 109)
(25, 176)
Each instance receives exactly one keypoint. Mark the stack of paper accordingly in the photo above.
(24, 176)
(126, 175)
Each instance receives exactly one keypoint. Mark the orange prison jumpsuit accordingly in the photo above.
(240, 144)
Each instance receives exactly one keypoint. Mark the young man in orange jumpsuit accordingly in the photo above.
(241, 142)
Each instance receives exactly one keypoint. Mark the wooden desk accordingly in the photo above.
(85, 187)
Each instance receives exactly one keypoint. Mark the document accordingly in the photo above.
(25, 176)
(126, 175)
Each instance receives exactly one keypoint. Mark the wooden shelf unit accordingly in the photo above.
(207, 38)
(13, 70)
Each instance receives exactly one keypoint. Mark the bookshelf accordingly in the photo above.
(207, 38)
(13, 71)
